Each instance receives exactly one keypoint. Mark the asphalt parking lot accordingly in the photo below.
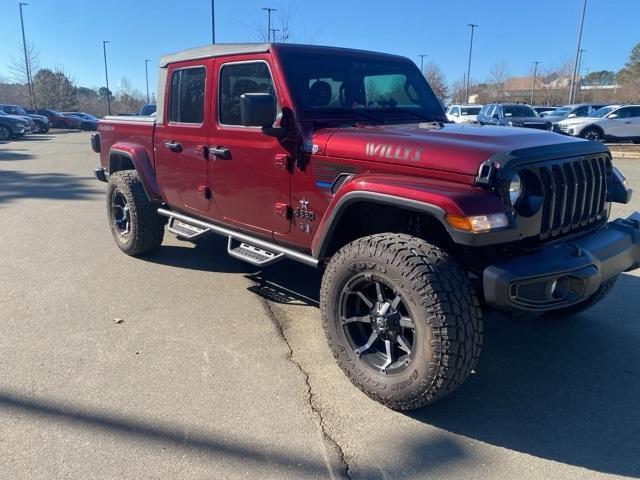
(191, 364)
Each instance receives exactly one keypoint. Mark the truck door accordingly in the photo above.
(251, 182)
(182, 136)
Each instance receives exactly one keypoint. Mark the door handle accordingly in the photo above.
(173, 146)
(220, 152)
(627, 123)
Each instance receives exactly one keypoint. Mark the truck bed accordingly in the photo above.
(123, 130)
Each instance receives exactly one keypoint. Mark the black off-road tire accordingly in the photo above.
(602, 292)
(437, 293)
(146, 227)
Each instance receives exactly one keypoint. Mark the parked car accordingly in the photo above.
(147, 109)
(512, 115)
(572, 111)
(12, 126)
(88, 121)
(463, 113)
(613, 123)
(41, 123)
(543, 111)
(57, 120)
(418, 224)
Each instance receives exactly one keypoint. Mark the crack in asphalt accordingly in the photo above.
(310, 396)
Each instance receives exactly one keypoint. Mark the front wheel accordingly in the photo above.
(135, 224)
(401, 319)
(5, 133)
(592, 133)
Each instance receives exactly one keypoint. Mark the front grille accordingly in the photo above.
(574, 194)
(541, 126)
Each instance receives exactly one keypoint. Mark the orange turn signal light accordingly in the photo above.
(458, 222)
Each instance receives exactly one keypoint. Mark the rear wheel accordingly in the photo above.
(592, 133)
(401, 319)
(135, 224)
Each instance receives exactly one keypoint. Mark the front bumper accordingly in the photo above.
(564, 274)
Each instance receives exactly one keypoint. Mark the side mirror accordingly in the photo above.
(612, 115)
(571, 115)
(257, 110)
(456, 114)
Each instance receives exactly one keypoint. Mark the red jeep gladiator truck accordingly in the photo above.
(344, 160)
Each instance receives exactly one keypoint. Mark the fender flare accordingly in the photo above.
(323, 237)
(141, 163)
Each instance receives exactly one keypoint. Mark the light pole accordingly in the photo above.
(533, 81)
(575, 65)
(466, 89)
(213, 22)
(146, 74)
(580, 53)
(422, 62)
(27, 67)
(269, 10)
(106, 74)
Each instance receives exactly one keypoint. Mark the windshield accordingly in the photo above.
(601, 112)
(518, 111)
(362, 87)
(470, 110)
(3, 113)
(561, 112)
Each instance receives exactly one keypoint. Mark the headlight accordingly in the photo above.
(20, 125)
(515, 189)
(510, 123)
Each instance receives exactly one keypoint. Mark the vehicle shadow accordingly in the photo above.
(207, 254)
(14, 154)
(566, 390)
(563, 389)
(15, 185)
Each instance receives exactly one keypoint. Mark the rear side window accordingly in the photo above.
(238, 79)
(187, 95)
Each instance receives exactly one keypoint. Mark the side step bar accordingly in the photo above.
(259, 248)
(251, 254)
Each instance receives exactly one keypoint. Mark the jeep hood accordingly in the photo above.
(459, 148)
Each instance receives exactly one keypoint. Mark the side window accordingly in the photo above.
(635, 112)
(238, 79)
(623, 112)
(187, 95)
(456, 110)
(492, 111)
(581, 111)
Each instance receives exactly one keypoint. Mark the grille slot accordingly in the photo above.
(575, 194)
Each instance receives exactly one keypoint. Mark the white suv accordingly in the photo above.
(614, 122)
(463, 113)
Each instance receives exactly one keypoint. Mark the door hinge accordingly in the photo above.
(283, 210)
(204, 191)
(283, 161)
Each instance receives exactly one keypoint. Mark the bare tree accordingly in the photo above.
(23, 73)
(498, 75)
(283, 20)
(435, 77)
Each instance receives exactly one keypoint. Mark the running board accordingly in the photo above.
(251, 254)
(255, 244)
(185, 230)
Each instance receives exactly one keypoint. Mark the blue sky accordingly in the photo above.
(69, 33)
